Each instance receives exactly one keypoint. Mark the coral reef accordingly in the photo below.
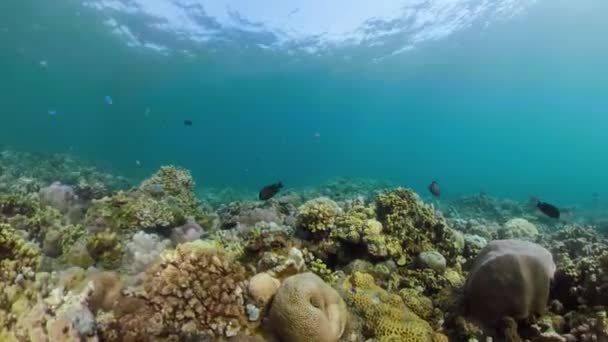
(84, 258)
(306, 309)
(164, 201)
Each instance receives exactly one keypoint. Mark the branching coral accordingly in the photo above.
(409, 227)
(318, 216)
(18, 258)
(25, 212)
(106, 248)
(16, 254)
(197, 288)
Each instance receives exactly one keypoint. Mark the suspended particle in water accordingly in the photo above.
(44, 64)
(147, 111)
(137, 162)
(317, 135)
(108, 99)
(52, 112)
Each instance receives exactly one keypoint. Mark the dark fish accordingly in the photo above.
(548, 209)
(269, 191)
(434, 189)
(188, 122)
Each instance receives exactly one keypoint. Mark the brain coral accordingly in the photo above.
(306, 309)
(198, 288)
(509, 278)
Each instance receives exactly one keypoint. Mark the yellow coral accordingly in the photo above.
(385, 315)
(106, 248)
(417, 302)
(318, 215)
(318, 267)
(16, 254)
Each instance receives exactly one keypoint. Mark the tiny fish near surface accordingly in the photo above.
(269, 191)
(548, 209)
(434, 189)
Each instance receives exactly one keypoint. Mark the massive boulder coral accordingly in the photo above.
(510, 278)
(165, 200)
(198, 289)
(306, 309)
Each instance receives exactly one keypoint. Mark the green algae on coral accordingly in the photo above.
(164, 200)
(106, 248)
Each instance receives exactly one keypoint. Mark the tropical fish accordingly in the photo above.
(548, 209)
(269, 191)
(434, 189)
(188, 122)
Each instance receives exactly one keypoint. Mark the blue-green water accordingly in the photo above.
(517, 108)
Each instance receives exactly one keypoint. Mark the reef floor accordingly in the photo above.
(86, 255)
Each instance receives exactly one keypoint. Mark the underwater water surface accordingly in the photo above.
(513, 105)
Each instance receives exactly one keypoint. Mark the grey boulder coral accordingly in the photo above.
(509, 278)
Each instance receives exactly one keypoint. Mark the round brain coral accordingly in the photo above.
(198, 288)
(306, 309)
(509, 278)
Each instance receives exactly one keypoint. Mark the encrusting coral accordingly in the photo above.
(306, 309)
(385, 315)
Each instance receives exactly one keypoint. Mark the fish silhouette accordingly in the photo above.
(548, 209)
(269, 191)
